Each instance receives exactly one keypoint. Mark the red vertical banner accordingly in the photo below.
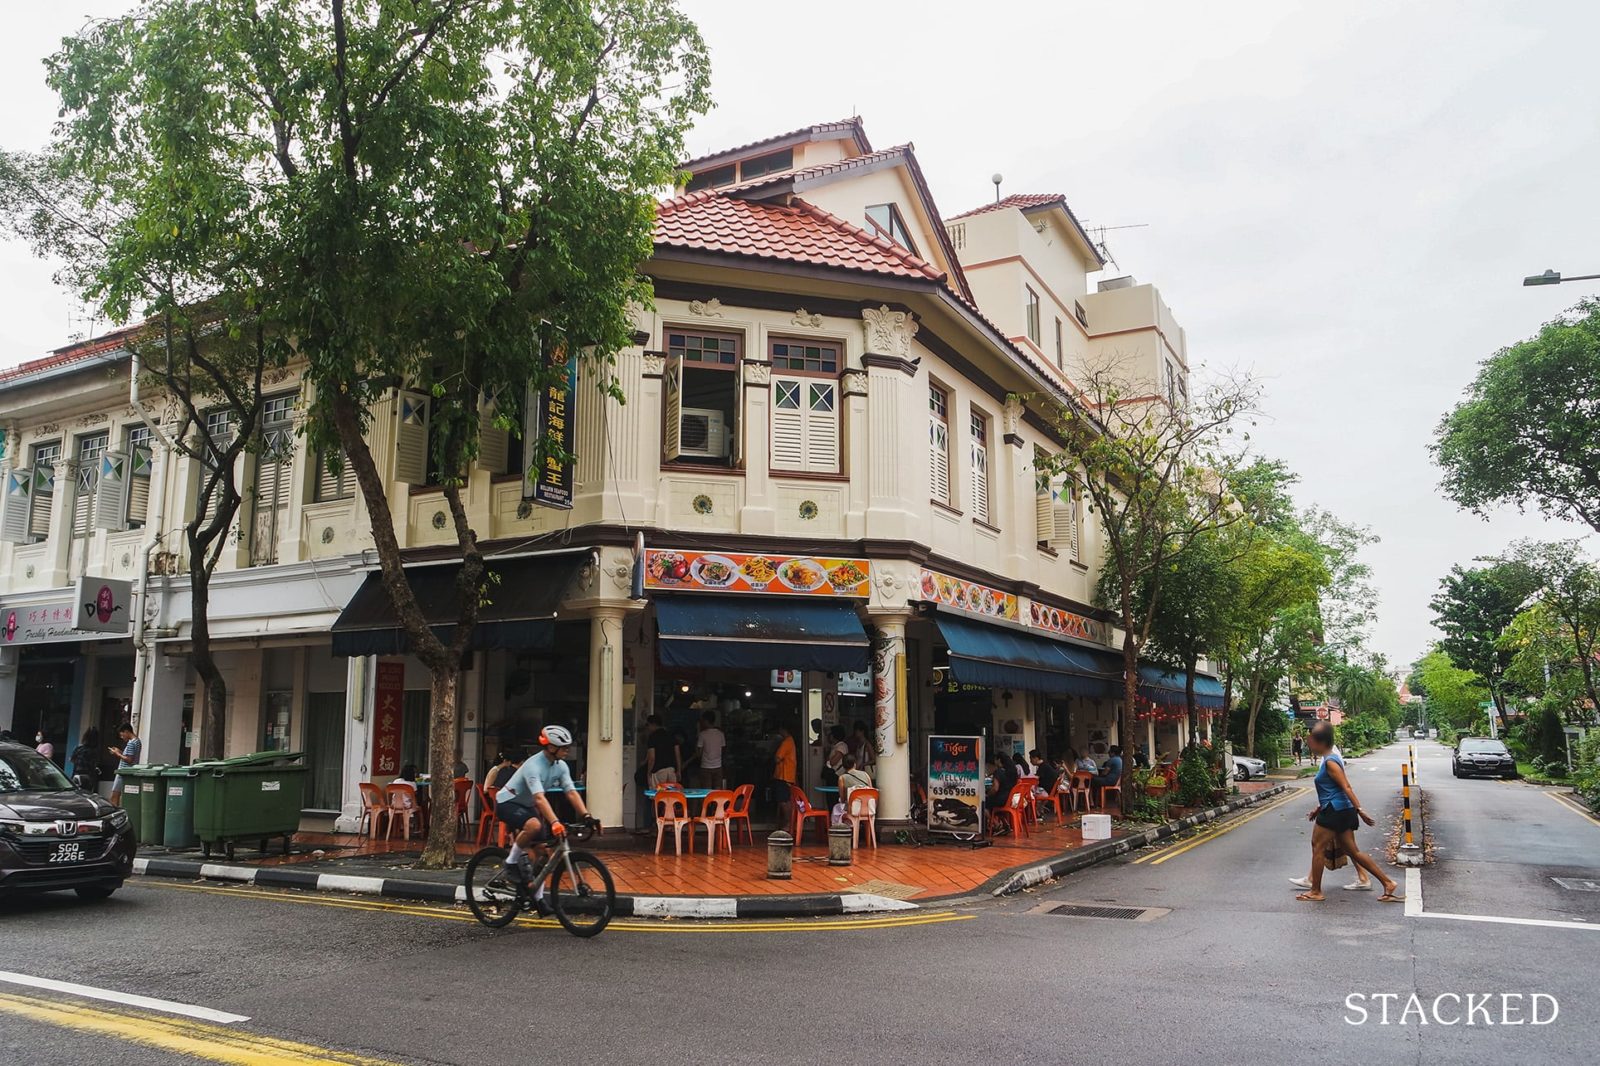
(388, 716)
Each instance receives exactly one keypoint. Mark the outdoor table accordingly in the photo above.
(688, 794)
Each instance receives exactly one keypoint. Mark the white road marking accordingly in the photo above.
(1414, 910)
(166, 1006)
(1413, 892)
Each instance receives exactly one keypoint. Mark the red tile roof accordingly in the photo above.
(73, 353)
(799, 232)
(1022, 201)
(822, 170)
(849, 125)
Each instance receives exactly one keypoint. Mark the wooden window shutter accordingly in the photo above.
(16, 505)
(822, 427)
(980, 481)
(111, 492)
(672, 427)
(939, 460)
(43, 493)
(788, 424)
(494, 443)
(411, 438)
(140, 463)
(1062, 527)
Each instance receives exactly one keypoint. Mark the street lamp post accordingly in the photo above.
(1553, 277)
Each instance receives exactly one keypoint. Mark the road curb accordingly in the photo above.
(1082, 858)
(799, 906)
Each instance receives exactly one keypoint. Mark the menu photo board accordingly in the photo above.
(786, 575)
(968, 596)
(955, 786)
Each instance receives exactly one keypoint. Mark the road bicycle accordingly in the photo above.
(577, 884)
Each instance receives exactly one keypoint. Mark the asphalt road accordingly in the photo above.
(1234, 971)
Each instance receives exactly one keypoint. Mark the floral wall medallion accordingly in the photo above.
(702, 504)
(525, 510)
(438, 520)
(809, 509)
(327, 534)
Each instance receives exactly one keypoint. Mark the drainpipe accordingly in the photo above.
(156, 525)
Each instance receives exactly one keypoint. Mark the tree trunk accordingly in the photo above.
(1250, 721)
(213, 719)
(1125, 728)
(440, 852)
(1227, 704)
(1188, 695)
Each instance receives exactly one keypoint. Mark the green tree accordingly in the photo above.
(1155, 475)
(441, 193)
(1569, 590)
(1453, 693)
(1526, 432)
(1472, 609)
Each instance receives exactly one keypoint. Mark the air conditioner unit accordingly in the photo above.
(703, 433)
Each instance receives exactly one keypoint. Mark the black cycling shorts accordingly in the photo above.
(515, 815)
(1340, 821)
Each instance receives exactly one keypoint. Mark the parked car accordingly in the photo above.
(1244, 768)
(54, 836)
(1419, 734)
(1481, 756)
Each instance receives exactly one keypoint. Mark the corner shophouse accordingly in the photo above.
(822, 446)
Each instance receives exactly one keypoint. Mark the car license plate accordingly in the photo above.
(71, 852)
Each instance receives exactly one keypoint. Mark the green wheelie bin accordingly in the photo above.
(251, 797)
(178, 820)
(152, 804)
(133, 803)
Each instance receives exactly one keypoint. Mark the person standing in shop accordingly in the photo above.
(709, 750)
(785, 773)
(665, 754)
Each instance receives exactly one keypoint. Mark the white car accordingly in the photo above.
(1245, 768)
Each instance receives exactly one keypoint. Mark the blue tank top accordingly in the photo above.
(1329, 794)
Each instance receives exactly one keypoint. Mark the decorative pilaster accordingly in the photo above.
(890, 419)
(603, 771)
(891, 726)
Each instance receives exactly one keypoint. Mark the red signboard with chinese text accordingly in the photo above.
(388, 715)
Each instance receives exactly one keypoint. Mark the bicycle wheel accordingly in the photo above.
(585, 901)
(494, 898)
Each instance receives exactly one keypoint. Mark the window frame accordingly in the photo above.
(138, 437)
(1061, 347)
(44, 480)
(676, 356)
(1032, 312)
(980, 489)
(897, 222)
(807, 402)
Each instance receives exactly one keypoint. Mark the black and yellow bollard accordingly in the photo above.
(1409, 853)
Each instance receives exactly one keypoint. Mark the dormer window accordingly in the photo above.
(763, 165)
(710, 179)
(885, 220)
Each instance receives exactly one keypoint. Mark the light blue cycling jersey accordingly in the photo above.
(539, 774)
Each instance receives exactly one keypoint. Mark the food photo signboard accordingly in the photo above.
(788, 575)
(955, 786)
(968, 596)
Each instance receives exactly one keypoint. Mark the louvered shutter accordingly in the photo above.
(111, 492)
(822, 427)
(44, 495)
(494, 443)
(939, 460)
(788, 424)
(672, 429)
(411, 439)
(1043, 510)
(85, 478)
(980, 481)
(139, 464)
(16, 503)
(1061, 523)
(1076, 500)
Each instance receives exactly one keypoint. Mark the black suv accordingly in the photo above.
(54, 836)
(1476, 755)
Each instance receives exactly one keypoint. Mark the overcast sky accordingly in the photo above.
(1342, 198)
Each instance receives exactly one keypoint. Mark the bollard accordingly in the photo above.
(841, 841)
(1409, 854)
(1412, 750)
(780, 856)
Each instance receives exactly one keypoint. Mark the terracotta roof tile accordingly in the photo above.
(73, 353)
(842, 126)
(1022, 201)
(821, 170)
(799, 232)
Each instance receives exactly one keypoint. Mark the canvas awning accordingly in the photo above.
(1001, 657)
(1167, 687)
(761, 632)
(521, 596)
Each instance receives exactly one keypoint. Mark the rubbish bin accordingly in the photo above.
(149, 811)
(251, 797)
(178, 819)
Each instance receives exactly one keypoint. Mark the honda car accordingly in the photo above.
(55, 836)
(1476, 755)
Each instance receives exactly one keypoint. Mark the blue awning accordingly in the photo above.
(998, 657)
(1167, 687)
(765, 632)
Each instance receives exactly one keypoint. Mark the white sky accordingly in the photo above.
(1340, 197)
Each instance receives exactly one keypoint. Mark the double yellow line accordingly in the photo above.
(1161, 855)
(212, 1043)
(624, 925)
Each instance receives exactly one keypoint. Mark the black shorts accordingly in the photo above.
(515, 815)
(1339, 821)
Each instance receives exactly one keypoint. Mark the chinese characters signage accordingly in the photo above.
(102, 605)
(39, 623)
(388, 704)
(686, 571)
(968, 596)
(955, 785)
(550, 476)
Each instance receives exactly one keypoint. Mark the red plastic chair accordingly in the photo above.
(402, 804)
(672, 811)
(804, 812)
(714, 811)
(374, 808)
(1059, 799)
(488, 823)
(739, 813)
(862, 811)
(1015, 811)
(1081, 780)
(463, 789)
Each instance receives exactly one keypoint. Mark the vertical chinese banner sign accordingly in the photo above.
(955, 786)
(388, 716)
(554, 436)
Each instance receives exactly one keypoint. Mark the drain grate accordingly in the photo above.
(1080, 910)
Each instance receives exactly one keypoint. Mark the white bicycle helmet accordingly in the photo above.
(555, 736)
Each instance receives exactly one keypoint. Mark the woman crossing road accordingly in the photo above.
(1337, 815)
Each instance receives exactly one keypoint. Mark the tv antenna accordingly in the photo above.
(1098, 237)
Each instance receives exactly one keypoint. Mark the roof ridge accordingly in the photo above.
(1018, 200)
(905, 255)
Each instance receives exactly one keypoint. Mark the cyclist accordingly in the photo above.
(524, 806)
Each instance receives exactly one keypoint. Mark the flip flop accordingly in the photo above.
(1306, 897)
(1390, 897)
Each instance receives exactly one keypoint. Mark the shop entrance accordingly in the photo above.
(749, 711)
(44, 704)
